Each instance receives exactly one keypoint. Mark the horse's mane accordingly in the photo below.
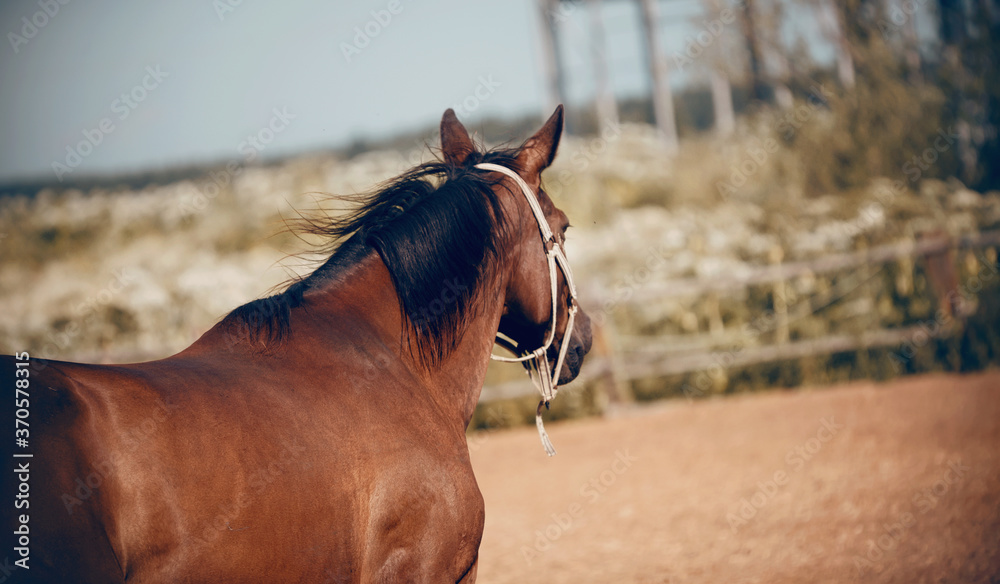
(438, 227)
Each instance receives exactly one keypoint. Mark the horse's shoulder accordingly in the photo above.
(425, 497)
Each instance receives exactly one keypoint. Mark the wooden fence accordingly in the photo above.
(619, 361)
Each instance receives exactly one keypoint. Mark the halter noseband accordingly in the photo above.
(537, 360)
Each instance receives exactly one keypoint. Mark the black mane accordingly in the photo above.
(438, 228)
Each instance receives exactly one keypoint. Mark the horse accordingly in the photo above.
(316, 435)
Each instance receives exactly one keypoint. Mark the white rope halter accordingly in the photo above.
(538, 361)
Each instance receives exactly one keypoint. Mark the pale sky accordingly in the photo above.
(214, 76)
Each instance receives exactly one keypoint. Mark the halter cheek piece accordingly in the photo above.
(537, 360)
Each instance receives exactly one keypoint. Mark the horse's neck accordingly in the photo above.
(365, 291)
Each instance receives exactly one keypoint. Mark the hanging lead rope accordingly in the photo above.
(537, 361)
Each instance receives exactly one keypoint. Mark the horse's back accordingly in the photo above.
(186, 469)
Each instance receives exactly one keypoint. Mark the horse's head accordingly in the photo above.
(528, 304)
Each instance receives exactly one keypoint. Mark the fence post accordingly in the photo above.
(715, 324)
(870, 296)
(942, 275)
(781, 334)
(613, 381)
(904, 280)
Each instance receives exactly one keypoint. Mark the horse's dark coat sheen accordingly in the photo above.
(315, 436)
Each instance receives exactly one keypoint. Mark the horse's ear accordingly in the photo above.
(539, 151)
(456, 145)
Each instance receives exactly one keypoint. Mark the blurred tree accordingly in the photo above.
(605, 106)
(770, 19)
(755, 68)
(719, 56)
(882, 123)
(831, 23)
(968, 33)
(555, 81)
(663, 101)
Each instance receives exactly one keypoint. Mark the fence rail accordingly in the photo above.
(689, 353)
(686, 287)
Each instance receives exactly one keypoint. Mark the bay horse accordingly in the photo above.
(317, 435)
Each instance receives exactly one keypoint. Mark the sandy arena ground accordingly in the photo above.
(897, 482)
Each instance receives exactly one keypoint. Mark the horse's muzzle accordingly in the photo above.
(580, 343)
